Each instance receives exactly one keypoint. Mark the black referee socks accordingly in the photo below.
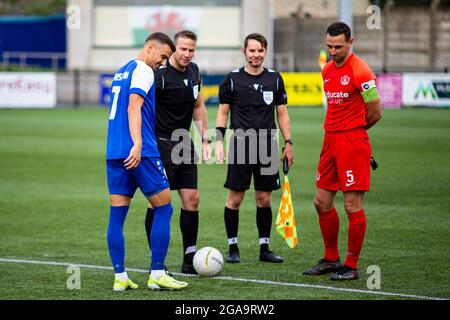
(264, 224)
(231, 218)
(189, 231)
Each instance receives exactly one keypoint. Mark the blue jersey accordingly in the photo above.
(134, 77)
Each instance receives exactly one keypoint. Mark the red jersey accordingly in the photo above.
(343, 86)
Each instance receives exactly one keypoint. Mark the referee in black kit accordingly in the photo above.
(251, 94)
(178, 101)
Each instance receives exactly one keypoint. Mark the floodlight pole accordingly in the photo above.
(345, 12)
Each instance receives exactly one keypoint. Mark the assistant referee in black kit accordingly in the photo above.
(251, 94)
(178, 101)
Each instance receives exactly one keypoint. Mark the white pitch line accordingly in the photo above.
(276, 283)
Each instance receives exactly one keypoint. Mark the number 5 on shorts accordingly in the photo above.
(350, 178)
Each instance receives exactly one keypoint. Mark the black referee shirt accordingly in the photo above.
(252, 98)
(176, 94)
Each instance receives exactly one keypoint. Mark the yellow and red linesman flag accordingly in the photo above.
(285, 222)
(322, 60)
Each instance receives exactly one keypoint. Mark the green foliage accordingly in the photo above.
(54, 207)
(30, 7)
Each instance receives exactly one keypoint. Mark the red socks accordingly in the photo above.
(329, 226)
(356, 232)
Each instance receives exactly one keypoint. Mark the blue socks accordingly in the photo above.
(160, 235)
(159, 238)
(116, 242)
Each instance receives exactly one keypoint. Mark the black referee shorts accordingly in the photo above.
(239, 177)
(180, 176)
(244, 163)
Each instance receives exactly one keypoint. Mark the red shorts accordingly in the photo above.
(345, 161)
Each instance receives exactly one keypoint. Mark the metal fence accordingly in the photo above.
(24, 59)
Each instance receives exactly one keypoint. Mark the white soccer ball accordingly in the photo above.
(208, 261)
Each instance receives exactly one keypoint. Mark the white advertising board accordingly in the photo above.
(27, 90)
(426, 89)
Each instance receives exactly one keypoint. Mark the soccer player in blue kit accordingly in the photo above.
(133, 160)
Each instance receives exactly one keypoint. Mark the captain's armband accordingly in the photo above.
(369, 91)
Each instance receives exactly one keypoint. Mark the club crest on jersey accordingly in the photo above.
(195, 91)
(345, 80)
(185, 81)
(255, 85)
(268, 97)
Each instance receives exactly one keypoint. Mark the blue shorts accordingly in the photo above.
(149, 176)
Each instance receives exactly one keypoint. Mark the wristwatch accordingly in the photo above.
(288, 141)
(206, 139)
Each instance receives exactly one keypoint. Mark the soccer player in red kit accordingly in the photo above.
(353, 107)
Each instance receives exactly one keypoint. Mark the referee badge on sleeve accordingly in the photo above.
(195, 91)
(268, 97)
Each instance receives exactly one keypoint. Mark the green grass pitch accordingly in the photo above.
(54, 207)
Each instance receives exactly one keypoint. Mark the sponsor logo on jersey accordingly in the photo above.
(345, 80)
(336, 98)
(333, 95)
(268, 97)
(368, 85)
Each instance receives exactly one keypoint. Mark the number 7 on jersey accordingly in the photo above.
(115, 90)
